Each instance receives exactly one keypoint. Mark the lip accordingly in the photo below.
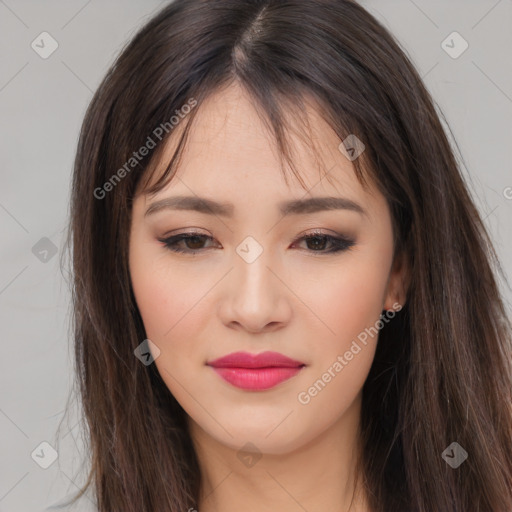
(255, 372)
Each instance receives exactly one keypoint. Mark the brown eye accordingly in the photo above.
(317, 242)
(193, 242)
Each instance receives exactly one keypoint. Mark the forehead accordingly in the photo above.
(230, 150)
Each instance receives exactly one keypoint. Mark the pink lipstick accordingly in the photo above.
(255, 372)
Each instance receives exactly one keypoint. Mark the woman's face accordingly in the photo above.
(249, 281)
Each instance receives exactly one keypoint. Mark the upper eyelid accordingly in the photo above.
(335, 238)
(313, 233)
(309, 231)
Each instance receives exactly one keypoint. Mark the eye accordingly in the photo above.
(193, 243)
(318, 241)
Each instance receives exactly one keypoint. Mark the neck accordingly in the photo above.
(318, 476)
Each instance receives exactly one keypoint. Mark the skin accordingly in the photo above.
(307, 305)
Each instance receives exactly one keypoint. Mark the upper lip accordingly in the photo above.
(247, 360)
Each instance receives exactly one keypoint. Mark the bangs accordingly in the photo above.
(283, 113)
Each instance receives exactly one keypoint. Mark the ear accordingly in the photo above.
(398, 283)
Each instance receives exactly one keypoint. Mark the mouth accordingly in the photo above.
(255, 372)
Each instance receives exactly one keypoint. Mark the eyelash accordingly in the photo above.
(339, 244)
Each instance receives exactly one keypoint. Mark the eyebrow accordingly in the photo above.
(293, 207)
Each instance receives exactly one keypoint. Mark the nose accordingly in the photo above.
(256, 297)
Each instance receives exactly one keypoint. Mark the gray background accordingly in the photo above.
(42, 103)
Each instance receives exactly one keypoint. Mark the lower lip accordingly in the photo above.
(257, 379)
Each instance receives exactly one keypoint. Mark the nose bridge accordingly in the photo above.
(252, 270)
(257, 297)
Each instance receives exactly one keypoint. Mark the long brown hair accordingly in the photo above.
(442, 370)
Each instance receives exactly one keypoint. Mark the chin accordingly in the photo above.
(269, 435)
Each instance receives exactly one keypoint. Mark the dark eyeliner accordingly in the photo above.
(338, 243)
(170, 242)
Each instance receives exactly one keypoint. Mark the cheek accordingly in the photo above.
(358, 299)
(349, 304)
(172, 310)
(348, 301)
(347, 298)
(169, 301)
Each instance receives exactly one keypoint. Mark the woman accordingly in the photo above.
(249, 341)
